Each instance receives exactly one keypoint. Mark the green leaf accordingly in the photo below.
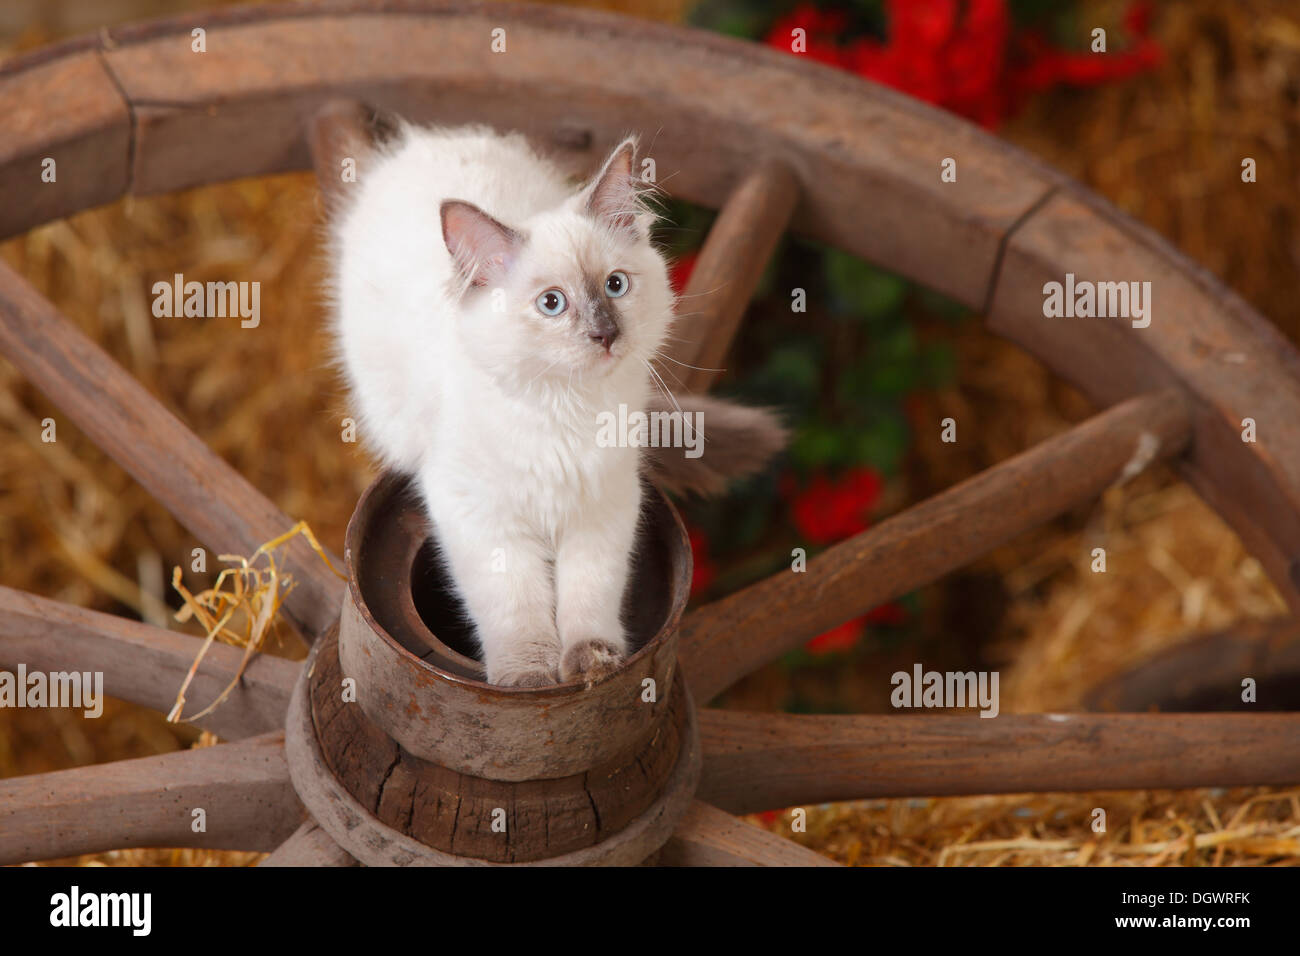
(895, 378)
(866, 292)
(818, 444)
(742, 18)
(892, 367)
(682, 227)
(791, 375)
(940, 364)
(869, 17)
(883, 445)
(939, 304)
(751, 508)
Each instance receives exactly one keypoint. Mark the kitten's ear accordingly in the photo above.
(613, 196)
(482, 248)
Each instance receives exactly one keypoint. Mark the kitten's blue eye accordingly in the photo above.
(552, 302)
(617, 285)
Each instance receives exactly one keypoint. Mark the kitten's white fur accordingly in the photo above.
(491, 404)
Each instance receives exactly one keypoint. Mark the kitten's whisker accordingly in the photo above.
(649, 150)
(686, 315)
(693, 295)
(688, 295)
(673, 337)
(540, 374)
(697, 368)
(664, 385)
(686, 423)
(655, 379)
(679, 382)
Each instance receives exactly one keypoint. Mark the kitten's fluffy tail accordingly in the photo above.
(738, 441)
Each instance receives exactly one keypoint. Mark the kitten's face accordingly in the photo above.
(580, 300)
(576, 293)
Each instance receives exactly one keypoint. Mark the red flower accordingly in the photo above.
(848, 634)
(821, 33)
(892, 613)
(703, 569)
(840, 638)
(1048, 67)
(1137, 19)
(681, 270)
(959, 55)
(827, 511)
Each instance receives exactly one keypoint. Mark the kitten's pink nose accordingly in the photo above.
(604, 334)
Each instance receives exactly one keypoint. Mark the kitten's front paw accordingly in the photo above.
(526, 677)
(525, 664)
(590, 660)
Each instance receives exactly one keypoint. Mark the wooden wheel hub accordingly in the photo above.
(391, 725)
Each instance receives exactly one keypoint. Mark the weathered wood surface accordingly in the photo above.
(145, 664)
(729, 638)
(243, 788)
(766, 761)
(716, 104)
(309, 846)
(372, 843)
(1203, 337)
(708, 836)
(207, 496)
(727, 272)
(504, 733)
(1206, 672)
(67, 109)
(388, 553)
(453, 812)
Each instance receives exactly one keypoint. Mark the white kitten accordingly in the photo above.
(487, 313)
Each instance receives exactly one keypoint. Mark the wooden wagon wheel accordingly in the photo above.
(776, 142)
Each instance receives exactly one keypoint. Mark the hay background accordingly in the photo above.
(1165, 147)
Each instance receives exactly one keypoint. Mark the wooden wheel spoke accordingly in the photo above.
(709, 837)
(242, 788)
(145, 664)
(765, 761)
(205, 494)
(728, 270)
(734, 636)
(309, 846)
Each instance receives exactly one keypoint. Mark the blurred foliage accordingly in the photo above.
(832, 344)
(831, 341)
